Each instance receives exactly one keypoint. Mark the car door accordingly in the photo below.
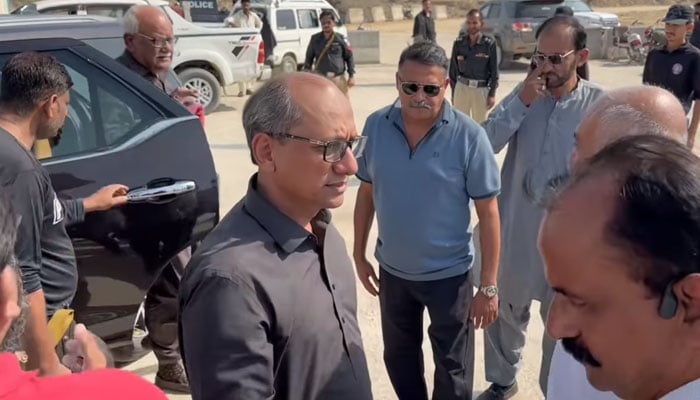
(287, 35)
(120, 129)
(308, 25)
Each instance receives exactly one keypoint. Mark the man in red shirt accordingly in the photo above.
(82, 353)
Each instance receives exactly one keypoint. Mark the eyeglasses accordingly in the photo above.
(555, 59)
(333, 150)
(159, 43)
(411, 88)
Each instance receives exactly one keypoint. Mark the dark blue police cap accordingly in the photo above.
(679, 14)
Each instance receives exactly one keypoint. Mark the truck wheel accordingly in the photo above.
(206, 84)
(288, 65)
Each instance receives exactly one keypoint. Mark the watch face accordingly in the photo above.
(490, 291)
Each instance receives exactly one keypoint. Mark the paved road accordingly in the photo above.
(374, 90)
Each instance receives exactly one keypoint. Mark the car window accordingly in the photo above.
(114, 11)
(308, 19)
(286, 20)
(338, 21)
(535, 9)
(102, 112)
(494, 11)
(484, 10)
(578, 6)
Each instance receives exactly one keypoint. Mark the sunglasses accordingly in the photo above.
(411, 88)
(333, 150)
(555, 59)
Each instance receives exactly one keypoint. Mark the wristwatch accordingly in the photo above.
(489, 291)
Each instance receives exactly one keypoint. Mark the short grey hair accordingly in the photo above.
(426, 53)
(270, 110)
(130, 19)
(628, 121)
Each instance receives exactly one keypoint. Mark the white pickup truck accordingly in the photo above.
(206, 59)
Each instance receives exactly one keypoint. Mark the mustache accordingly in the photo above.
(579, 352)
(420, 104)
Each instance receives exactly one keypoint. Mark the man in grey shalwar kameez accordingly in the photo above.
(537, 121)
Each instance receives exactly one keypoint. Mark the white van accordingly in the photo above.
(293, 22)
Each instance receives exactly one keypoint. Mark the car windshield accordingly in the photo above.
(536, 9)
(578, 6)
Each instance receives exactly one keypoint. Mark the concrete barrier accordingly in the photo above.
(378, 14)
(356, 15)
(396, 13)
(440, 11)
(416, 9)
(595, 42)
(365, 46)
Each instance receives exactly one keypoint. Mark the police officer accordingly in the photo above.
(329, 53)
(676, 67)
(474, 70)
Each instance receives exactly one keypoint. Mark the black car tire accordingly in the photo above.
(206, 83)
(288, 64)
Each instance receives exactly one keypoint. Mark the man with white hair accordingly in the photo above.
(150, 42)
(631, 111)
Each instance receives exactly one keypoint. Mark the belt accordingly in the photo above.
(333, 74)
(472, 83)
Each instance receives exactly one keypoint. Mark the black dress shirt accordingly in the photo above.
(268, 310)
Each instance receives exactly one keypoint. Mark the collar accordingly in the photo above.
(479, 38)
(136, 66)
(690, 390)
(284, 231)
(683, 48)
(13, 378)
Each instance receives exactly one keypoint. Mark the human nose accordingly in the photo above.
(347, 165)
(560, 323)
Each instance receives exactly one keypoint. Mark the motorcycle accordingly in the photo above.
(624, 39)
(655, 38)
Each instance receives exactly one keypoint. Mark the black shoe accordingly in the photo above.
(498, 392)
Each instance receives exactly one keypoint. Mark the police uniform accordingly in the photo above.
(474, 75)
(678, 71)
(330, 58)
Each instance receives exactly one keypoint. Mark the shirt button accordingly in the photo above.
(333, 286)
(342, 319)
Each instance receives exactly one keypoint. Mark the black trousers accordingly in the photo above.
(161, 309)
(451, 335)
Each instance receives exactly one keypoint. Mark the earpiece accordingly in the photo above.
(669, 303)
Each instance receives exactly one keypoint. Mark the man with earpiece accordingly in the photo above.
(620, 248)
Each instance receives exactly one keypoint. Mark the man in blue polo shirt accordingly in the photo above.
(423, 164)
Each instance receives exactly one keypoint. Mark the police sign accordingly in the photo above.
(203, 10)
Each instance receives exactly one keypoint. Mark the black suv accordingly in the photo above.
(120, 129)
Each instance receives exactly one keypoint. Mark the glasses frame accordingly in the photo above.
(421, 86)
(356, 142)
(546, 58)
(155, 41)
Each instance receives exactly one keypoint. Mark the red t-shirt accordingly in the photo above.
(106, 384)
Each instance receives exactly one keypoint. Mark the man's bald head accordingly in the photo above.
(629, 111)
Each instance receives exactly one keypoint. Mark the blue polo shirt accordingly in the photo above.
(422, 197)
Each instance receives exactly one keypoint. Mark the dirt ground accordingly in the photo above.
(645, 15)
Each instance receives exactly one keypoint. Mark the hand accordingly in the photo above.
(534, 87)
(185, 96)
(351, 82)
(82, 352)
(106, 198)
(56, 370)
(490, 102)
(367, 275)
(483, 311)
